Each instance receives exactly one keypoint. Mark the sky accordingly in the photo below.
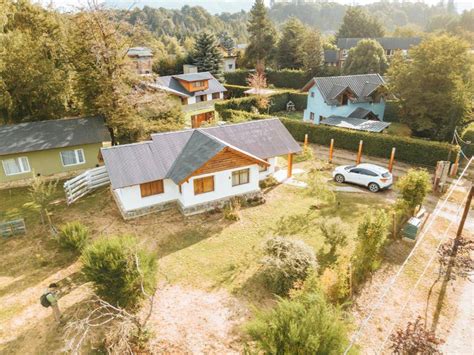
(217, 6)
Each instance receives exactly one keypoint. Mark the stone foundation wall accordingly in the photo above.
(211, 205)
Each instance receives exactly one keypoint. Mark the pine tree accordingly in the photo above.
(262, 35)
(290, 51)
(357, 24)
(312, 52)
(367, 57)
(207, 56)
(227, 42)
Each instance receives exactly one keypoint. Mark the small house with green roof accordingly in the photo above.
(51, 147)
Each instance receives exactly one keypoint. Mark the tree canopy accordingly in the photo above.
(367, 57)
(290, 50)
(207, 56)
(358, 24)
(434, 86)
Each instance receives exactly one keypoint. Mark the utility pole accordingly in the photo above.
(467, 207)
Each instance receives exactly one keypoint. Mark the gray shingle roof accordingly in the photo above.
(42, 135)
(134, 164)
(355, 123)
(361, 85)
(171, 84)
(140, 52)
(362, 113)
(393, 43)
(199, 149)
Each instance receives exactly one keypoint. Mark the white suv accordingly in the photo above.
(372, 176)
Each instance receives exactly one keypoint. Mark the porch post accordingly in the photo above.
(290, 165)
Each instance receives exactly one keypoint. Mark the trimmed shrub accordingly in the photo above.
(304, 324)
(410, 150)
(111, 265)
(300, 99)
(288, 78)
(235, 91)
(413, 188)
(235, 116)
(73, 236)
(286, 262)
(238, 77)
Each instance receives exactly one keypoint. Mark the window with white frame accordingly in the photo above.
(15, 166)
(72, 157)
(240, 177)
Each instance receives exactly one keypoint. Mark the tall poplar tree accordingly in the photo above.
(207, 56)
(262, 35)
(358, 24)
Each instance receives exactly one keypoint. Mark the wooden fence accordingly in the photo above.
(14, 227)
(86, 182)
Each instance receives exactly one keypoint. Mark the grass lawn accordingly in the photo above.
(398, 129)
(204, 251)
(295, 115)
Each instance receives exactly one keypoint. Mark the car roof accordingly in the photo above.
(373, 167)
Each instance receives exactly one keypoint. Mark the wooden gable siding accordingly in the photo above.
(188, 85)
(225, 160)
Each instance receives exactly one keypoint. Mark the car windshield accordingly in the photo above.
(349, 167)
(386, 175)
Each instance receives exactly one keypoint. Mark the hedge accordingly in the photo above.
(279, 101)
(235, 91)
(236, 116)
(409, 150)
(285, 78)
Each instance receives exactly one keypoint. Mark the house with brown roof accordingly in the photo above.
(196, 169)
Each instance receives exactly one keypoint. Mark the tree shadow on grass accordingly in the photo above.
(255, 291)
(182, 239)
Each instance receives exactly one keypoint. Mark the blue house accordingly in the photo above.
(342, 95)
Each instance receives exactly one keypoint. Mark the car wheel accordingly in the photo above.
(339, 178)
(373, 187)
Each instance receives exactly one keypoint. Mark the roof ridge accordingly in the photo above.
(128, 144)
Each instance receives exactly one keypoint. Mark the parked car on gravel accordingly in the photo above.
(372, 176)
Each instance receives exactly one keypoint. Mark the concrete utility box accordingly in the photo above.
(411, 228)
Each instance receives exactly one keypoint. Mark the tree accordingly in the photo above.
(286, 261)
(121, 272)
(304, 324)
(207, 56)
(34, 71)
(73, 236)
(415, 339)
(312, 52)
(290, 49)
(413, 188)
(335, 238)
(41, 194)
(367, 57)
(371, 236)
(262, 35)
(226, 42)
(357, 24)
(434, 86)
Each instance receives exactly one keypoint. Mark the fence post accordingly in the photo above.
(306, 141)
(392, 158)
(331, 150)
(455, 166)
(359, 153)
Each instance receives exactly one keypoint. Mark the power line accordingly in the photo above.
(394, 278)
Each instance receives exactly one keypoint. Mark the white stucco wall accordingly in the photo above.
(131, 198)
(222, 187)
(270, 170)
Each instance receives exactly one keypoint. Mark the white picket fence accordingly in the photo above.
(86, 182)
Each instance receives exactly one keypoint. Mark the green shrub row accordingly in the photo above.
(236, 116)
(285, 78)
(278, 102)
(409, 150)
(235, 91)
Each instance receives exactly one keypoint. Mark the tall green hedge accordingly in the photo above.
(285, 78)
(235, 91)
(236, 116)
(409, 150)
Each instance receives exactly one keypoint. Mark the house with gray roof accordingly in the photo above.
(51, 147)
(140, 60)
(345, 95)
(195, 91)
(389, 44)
(196, 169)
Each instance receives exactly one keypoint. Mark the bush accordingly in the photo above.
(334, 232)
(232, 209)
(73, 236)
(111, 265)
(268, 182)
(410, 150)
(235, 91)
(305, 324)
(286, 262)
(238, 77)
(335, 281)
(235, 116)
(413, 188)
(319, 188)
(371, 235)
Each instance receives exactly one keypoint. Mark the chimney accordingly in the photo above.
(189, 68)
